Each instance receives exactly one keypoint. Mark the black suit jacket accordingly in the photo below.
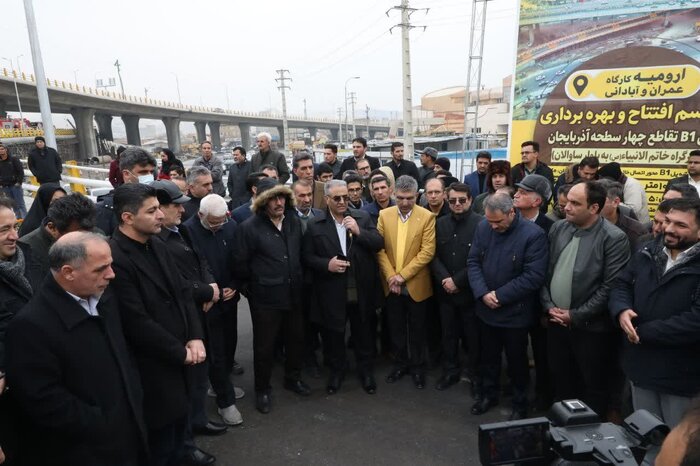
(349, 163)
(75, 382)
(680, 180)
(193, 268)
(320, 244)
(159, 319)
(453, 239)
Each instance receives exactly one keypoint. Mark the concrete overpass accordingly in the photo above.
(88, 105)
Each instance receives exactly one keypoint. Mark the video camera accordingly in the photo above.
(570, 434)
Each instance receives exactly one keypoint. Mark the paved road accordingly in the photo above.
(398, 425)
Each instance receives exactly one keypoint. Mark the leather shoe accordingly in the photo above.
(334, 382)
(395, 375)
(263, 402)
(211, 428)
(518, 414)
(419, 381)
(483, 405)
(198, 457)
(446, 381)
(368, 384)
(298, 387)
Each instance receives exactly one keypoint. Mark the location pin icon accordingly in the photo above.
(580, 83)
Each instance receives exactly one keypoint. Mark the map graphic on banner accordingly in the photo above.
(616, 79)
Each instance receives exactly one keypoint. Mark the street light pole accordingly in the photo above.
(346, 102)
(75, 77)
(119, 73)
(42, 90)
(14, 81)
(177, 84)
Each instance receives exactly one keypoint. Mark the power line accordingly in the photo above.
(352, 54)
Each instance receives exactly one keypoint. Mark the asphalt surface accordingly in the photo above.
(398, 425)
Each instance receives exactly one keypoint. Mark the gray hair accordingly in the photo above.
(613, 189)
(213, 204)
(264, 135)
(499, 202)
(195, 172)
(406, 183)
(333, 184)
(72, 252)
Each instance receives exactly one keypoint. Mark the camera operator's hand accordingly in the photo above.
(625, 319)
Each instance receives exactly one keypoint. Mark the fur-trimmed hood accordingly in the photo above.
(262, 199)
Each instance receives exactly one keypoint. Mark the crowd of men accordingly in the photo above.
(140, 291)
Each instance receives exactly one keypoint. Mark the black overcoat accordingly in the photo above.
(159, 318)
(320, 244)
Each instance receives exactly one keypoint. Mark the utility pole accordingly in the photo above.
(367, 119)
(406, 27)
(41, 86)
(283, 85)
(476, 53)
(119, 73)
(145, 91)
(340, 125)
(305, 117)
(353, 100)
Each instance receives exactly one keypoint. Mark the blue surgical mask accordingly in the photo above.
(146, 179)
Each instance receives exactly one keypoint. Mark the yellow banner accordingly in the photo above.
(622, 156)
(642, 83)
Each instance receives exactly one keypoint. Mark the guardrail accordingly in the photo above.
(7, 133)
(86, 90)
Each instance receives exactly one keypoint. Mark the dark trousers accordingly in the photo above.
(198, 383)
(494, 341)
(363, 339)
(543, 384)
(433, 330)
(580, 363)
(222, 332)
(267, 324)
(313, 335)
(406, 319)
(457, 323)
(166, 444)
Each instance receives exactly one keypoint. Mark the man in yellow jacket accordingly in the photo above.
(409, 246)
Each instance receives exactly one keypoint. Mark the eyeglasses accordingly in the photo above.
(339, 198)
(354, 190)
(461, 200)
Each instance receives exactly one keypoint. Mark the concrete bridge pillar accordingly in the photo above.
(373, 134)
(245, 135)
(3, 108)
(334, 134)
(131, 124)
(104, 126)
(172, 130)
(312, 133)
(280, 144)
(201, 128)
(214, 128)
(87, 142)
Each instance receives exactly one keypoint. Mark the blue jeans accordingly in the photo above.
(16, 193)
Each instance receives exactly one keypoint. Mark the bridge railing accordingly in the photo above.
(31, 132)
(105, 94)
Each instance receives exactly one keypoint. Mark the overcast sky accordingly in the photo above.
(215, 44)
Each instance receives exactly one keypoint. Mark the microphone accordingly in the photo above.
(346, 215)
